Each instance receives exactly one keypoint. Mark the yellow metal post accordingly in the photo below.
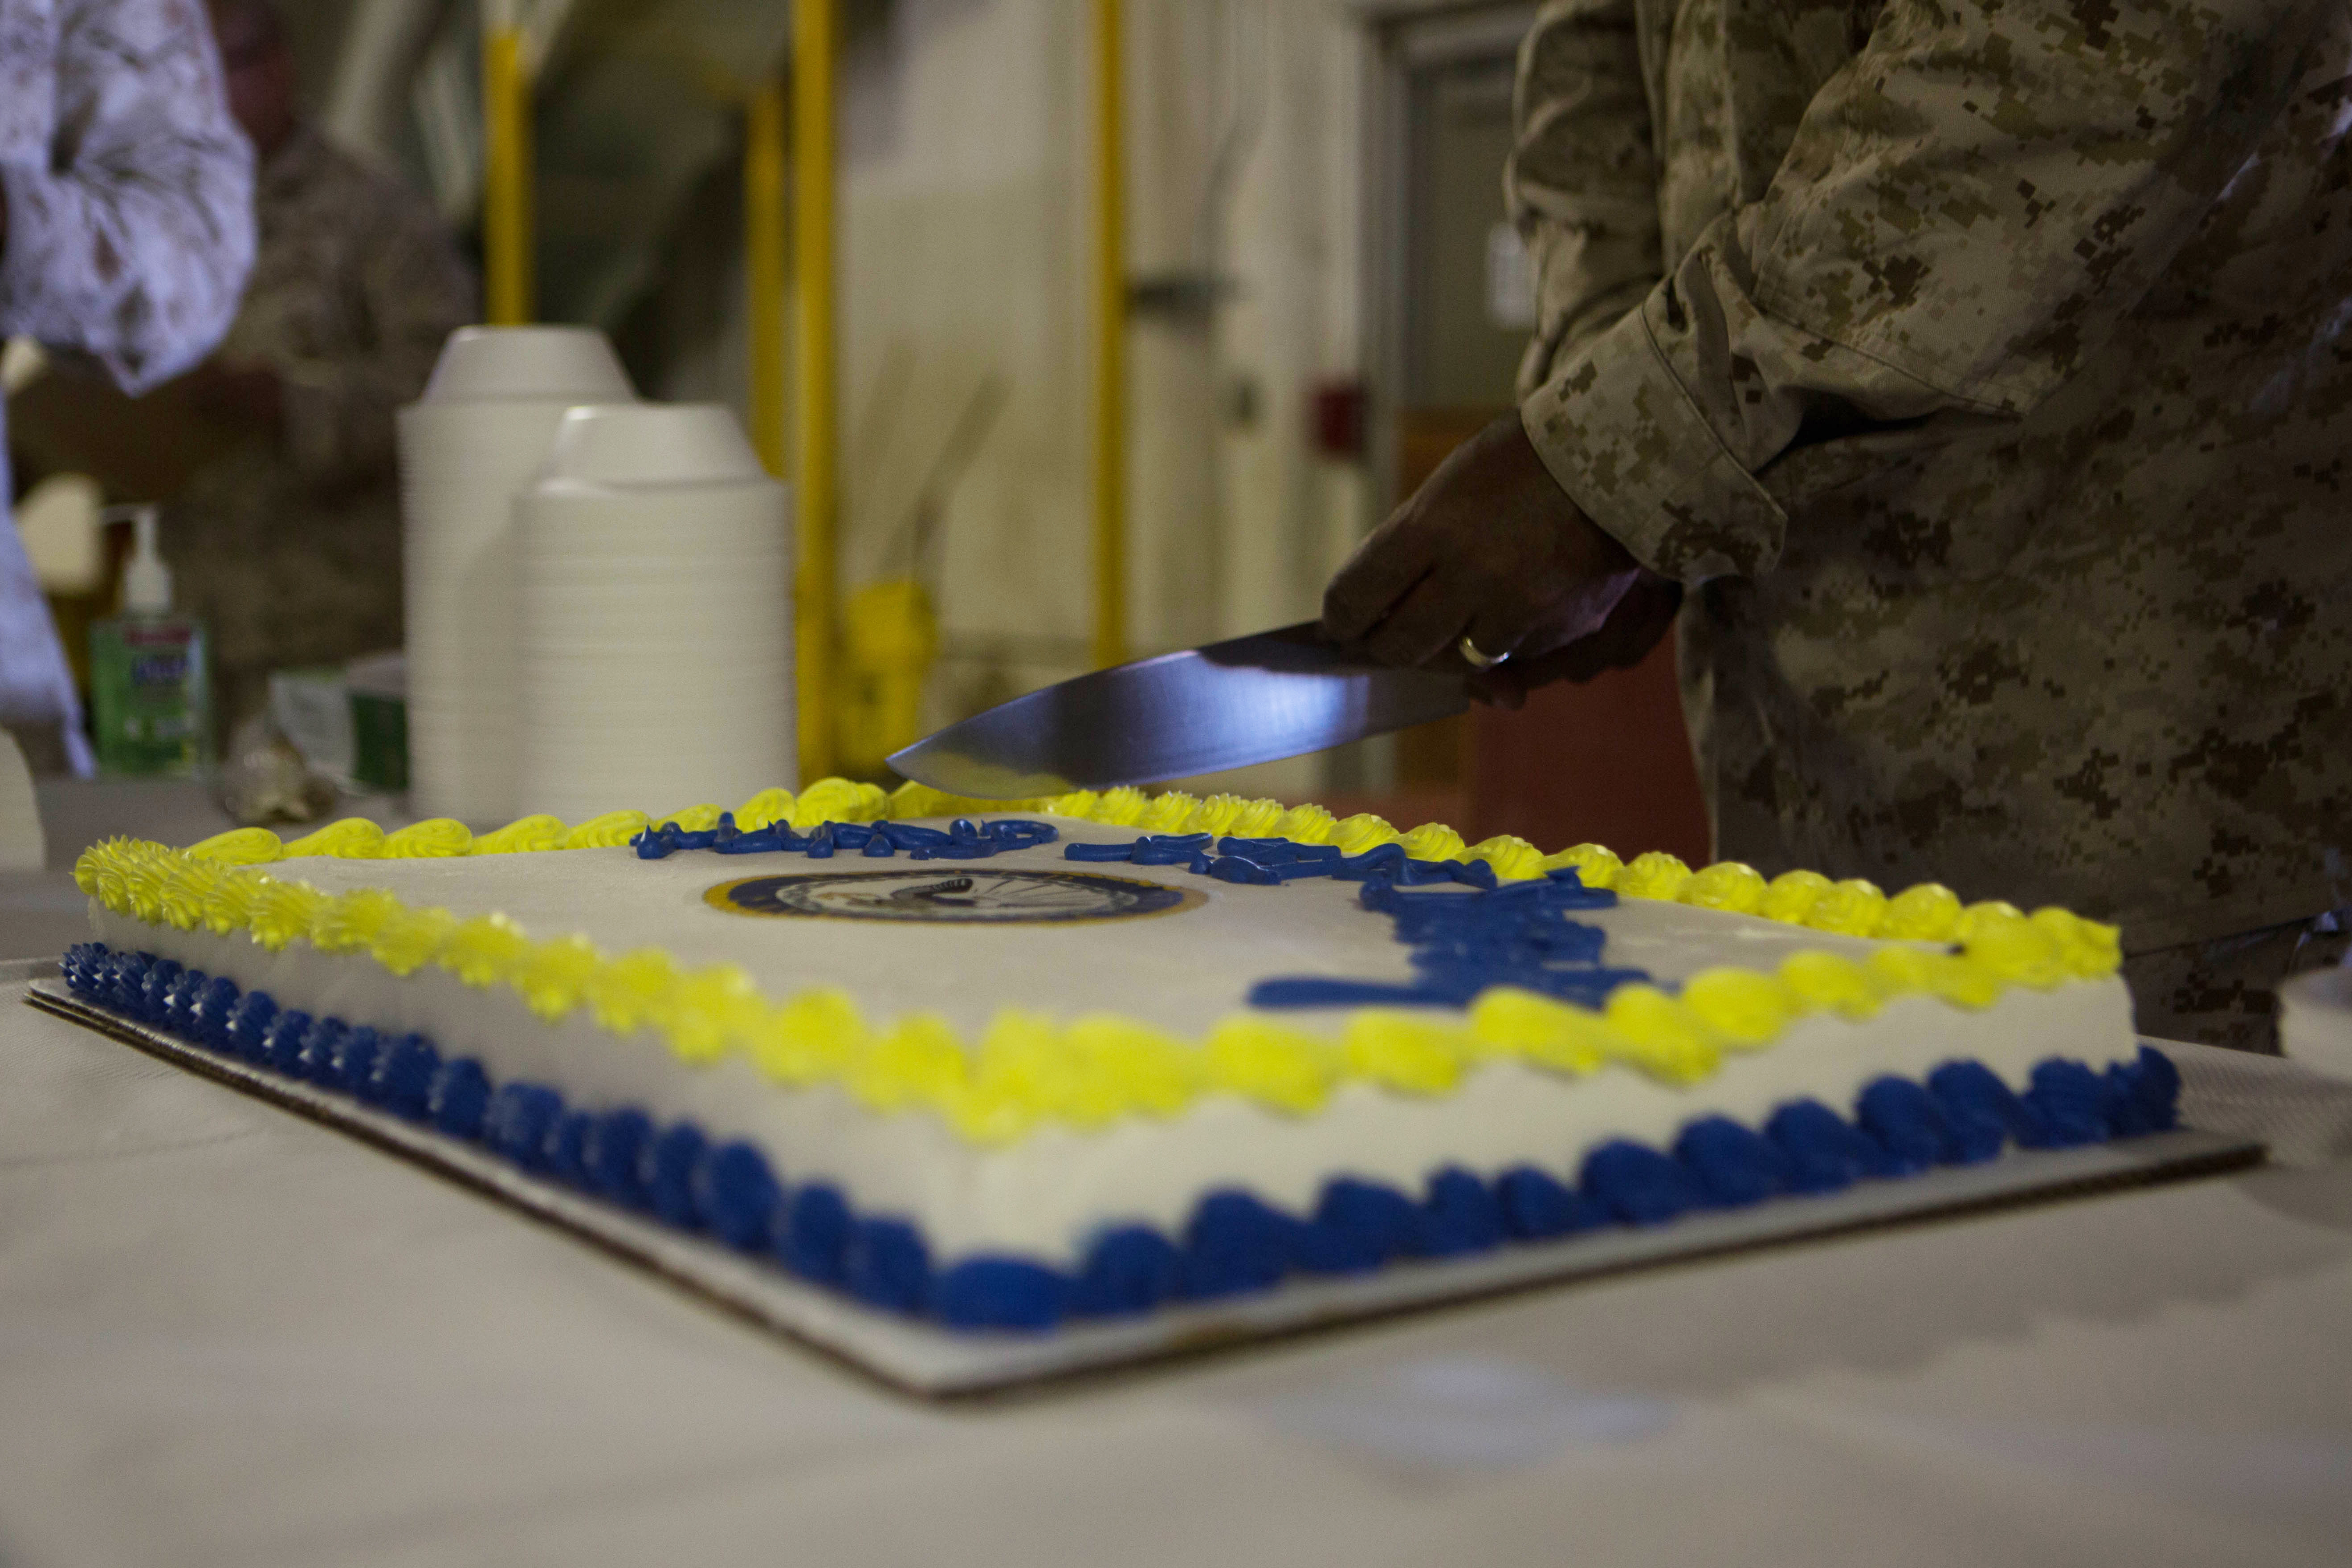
(508, 261)
(813, 192)
(766, 269)
(1111, 341)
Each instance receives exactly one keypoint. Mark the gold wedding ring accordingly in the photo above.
(1475, 660)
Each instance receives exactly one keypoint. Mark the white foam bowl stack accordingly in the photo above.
(655, 615)
(2315, 1021)
(475, 439)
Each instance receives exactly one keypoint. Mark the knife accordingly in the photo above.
(1253, 700)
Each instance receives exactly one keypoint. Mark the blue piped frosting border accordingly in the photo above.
(1963, 1113)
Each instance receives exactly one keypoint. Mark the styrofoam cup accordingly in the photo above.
(530, 364)
(651, 444)
(494, 405)
(654, 570)
(2315, 1021)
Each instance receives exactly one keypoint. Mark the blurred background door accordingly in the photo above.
(1609, 762)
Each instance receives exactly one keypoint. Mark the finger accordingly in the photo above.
(1383, 570)
(1578, 662)
(1512, 622)
(1353, 613)
(1424, 626)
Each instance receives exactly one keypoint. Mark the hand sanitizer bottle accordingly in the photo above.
(149, 698)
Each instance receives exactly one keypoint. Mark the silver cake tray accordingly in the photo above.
(925, 1359)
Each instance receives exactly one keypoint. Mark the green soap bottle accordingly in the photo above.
(149, 698)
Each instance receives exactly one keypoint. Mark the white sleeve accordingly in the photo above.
(130, 234)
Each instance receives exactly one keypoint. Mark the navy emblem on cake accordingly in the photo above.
(937, 896)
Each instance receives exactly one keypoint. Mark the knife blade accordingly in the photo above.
(1256, 699)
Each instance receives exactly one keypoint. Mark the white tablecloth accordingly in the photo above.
(231, 1336)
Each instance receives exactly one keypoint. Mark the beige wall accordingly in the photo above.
(966, 244)
(967, 240)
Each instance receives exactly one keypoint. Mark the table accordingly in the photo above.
(229, 1335)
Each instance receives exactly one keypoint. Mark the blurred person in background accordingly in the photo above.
(126, 231)
(1980, 373)
(288, 544)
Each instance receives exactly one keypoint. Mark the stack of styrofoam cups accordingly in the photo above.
(2315, 1020)
(475, 439)
(657, 623)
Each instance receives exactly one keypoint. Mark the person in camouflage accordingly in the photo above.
(126, 228)
(288, 544)
(1978, 374)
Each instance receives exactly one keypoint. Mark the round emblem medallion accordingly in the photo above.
(936, 895)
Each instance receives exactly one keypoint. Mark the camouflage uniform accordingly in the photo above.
(1983, 369)
(291, 550)
(130, 202)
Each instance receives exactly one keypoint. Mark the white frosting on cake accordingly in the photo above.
(1048, 1194)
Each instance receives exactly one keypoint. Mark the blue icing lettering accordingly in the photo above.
(1109, 852)
(1463, 944)
(961, 840)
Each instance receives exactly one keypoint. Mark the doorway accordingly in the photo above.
(1453, 306)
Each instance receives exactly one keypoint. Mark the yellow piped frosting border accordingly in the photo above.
(1028, 1071)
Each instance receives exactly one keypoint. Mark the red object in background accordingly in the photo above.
(1340, 420)
(1606, 763)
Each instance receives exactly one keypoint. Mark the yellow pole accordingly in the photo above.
(813, 174)
(507, 172)
(1110, 342)
(765, 264)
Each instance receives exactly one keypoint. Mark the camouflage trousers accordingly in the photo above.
(2220, 993)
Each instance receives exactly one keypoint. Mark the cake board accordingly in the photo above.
(922, 1359)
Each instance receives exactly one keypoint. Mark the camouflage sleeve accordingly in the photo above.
(413, 291)
(131, 223)
(1581, 183)
(1967, 210)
